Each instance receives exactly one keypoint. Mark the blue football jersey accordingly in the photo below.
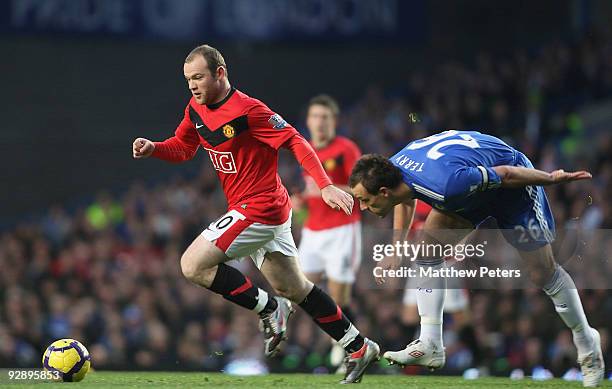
(452, 170)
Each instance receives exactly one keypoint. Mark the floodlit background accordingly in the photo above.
(90, 239)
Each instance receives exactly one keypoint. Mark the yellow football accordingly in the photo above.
(68, 358)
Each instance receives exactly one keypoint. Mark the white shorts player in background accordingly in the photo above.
(331, 241)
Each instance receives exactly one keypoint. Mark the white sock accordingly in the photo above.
(430, 301)
(583, 341)
(562, 291)
(432, 333)
(262, 300)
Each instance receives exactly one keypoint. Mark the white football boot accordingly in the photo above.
(274, 326)
(592, 364)
(357, 362)
(422, 353)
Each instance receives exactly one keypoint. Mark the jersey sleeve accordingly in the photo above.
(466, 180)
(308, 159)
(182, 146)
(269, 127)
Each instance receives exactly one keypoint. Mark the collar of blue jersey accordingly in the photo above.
(220, 103)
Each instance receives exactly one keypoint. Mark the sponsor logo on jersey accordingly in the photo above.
(222, 161)
(228, 131)
(276, 121)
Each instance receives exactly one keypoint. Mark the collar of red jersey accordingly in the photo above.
(220, 103)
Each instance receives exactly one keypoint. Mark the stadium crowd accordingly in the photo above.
(108, 274)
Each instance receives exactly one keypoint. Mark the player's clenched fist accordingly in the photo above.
(142, 148)
(337, 199)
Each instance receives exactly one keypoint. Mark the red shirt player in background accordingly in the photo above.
(241, 135)
(331, 241)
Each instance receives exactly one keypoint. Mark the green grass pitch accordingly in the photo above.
(108, 379)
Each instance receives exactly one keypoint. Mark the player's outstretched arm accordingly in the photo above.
(142, 148)
(178, 148)
(517, 176)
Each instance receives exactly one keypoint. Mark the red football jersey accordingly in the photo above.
(338, 159)
(241, 136)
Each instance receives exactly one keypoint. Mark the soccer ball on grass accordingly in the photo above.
(67, 358)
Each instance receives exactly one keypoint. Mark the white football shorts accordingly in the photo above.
(333, 251)
(238, 237)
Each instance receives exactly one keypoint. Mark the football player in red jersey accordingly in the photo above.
(242, 136)
(331, 241)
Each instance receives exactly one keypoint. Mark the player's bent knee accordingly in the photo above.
(540, 277)
(287, 292)
(200, 276)
(295, 293)
(189, 267)
(540, 274)
(199, 262)
(541, 265)
(195, 270)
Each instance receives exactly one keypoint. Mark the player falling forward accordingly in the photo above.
(242, 136)
(331, 241)
(467, 176)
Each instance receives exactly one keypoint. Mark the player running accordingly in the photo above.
(331, 241)
(467, 176)
(242, 136)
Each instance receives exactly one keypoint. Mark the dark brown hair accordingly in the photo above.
(326, 101)
(374, 171)
(213, 58)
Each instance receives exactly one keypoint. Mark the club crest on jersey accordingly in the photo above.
(277, 121)
(329, 164)
(228, 131)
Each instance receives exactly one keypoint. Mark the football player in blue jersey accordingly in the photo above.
(467, 177)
